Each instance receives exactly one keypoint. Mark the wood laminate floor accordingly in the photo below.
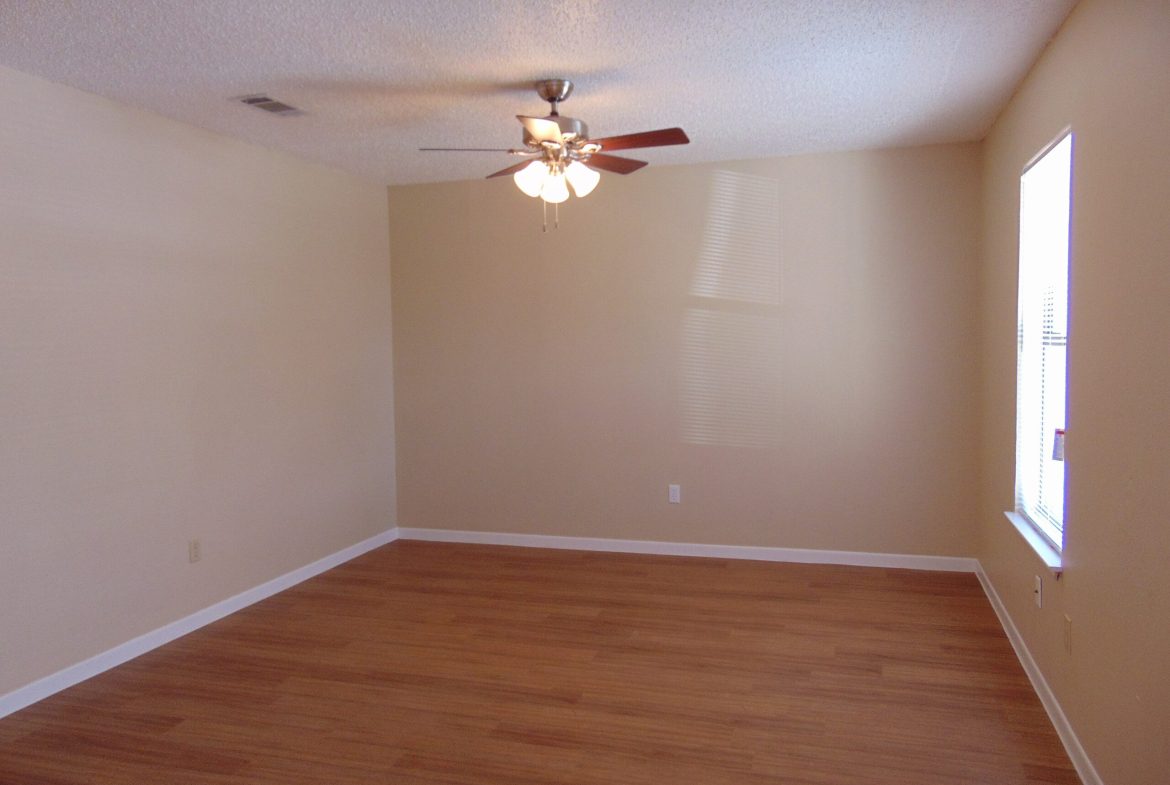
(429, 664)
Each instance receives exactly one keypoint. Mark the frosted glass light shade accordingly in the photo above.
(582, 178)
(530, 179)
(554, 190)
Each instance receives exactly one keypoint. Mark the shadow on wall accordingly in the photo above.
(730, 358)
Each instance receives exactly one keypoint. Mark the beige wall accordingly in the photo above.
(194, 343)
(792, 340)
(1106, 76)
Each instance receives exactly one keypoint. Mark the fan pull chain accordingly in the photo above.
(556, 215)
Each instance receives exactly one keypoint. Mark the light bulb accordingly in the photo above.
(582, 178)
(531, 178)
(554, 191)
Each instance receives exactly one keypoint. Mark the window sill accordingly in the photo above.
(1043, 549)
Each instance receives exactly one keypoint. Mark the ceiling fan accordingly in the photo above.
(560, 153)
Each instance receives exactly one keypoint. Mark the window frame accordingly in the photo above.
(1040, 535)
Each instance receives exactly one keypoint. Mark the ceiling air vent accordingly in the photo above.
(269, 104)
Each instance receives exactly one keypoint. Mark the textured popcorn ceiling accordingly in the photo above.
(379, 78)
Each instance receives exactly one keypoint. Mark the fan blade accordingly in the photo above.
(541, 130)
(614, 163)
(468, 149)
(659, 138)
(510, 170)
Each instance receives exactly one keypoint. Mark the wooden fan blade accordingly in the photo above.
(614, 163)
(510, 170)
(541, 130)
(659, 138)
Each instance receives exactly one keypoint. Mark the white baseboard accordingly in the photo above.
(802, 555)
(67, 677)
(1072, 745)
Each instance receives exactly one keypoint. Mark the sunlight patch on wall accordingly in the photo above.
(730, 378)
(730, 353)
(741, 244)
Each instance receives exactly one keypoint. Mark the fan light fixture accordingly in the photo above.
(582, 178)
(530, 179)
(547, 180)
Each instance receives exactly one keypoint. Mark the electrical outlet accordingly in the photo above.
(1067, 634)
(194, 551)
(674, 493)
(1038, 592)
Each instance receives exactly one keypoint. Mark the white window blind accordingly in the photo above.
(1045, 201)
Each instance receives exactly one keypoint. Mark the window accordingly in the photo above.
(1045, 201)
